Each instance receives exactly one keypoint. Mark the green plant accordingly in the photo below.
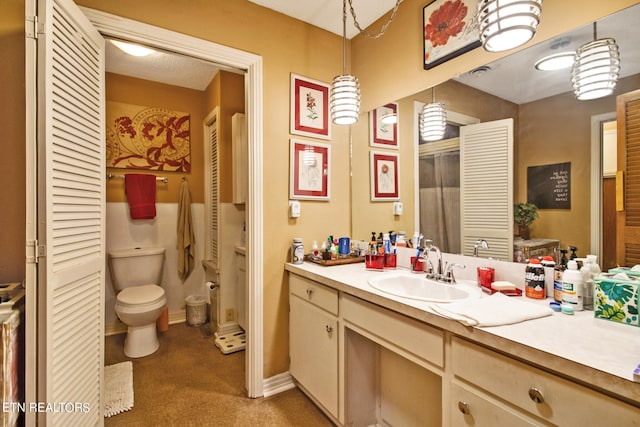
(525, 213)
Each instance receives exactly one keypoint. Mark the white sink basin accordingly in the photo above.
(420, 288)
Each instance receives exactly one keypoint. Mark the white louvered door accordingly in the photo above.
(486, 187)
(212, 179)
(71, 200)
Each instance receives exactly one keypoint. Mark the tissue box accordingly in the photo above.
(617, 300)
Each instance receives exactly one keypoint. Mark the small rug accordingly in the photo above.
(118, 388)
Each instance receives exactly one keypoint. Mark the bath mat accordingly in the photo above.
(118, 388)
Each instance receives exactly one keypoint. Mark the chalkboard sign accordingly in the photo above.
(549, 186)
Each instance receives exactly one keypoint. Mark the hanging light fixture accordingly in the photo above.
(345, 89)
(506, 24)
(596, 68)
(433, 119)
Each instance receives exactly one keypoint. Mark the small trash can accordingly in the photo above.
(196, 310)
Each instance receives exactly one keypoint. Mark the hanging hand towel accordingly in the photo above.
(141, 195)
(186, 239)
(496, 310)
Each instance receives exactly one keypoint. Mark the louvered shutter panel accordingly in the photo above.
(486, 187)
(71, 171)
(214, 193)
(628, 227)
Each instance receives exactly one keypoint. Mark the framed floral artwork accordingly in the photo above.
(449, 30)
(384, 176)
(383, 126)
(309, 170)
(310, 108)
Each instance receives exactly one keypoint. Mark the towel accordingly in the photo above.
(496, 310)
(141, 195)
(186, 239)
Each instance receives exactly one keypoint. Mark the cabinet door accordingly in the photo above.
(313, 350)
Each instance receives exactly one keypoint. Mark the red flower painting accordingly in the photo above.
(449, 30)
(445, 22)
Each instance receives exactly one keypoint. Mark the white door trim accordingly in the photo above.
(596, 180)
(251, 64)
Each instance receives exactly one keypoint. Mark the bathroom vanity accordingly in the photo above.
(366, 357)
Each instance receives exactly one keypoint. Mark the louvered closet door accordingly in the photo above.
(628, 227)
(71, 171)
(486, 187)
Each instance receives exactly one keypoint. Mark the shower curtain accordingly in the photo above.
(440, 200)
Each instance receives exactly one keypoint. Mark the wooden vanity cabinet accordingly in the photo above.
(489, 386)
(313, 340)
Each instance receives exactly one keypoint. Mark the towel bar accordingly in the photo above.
(158, 178)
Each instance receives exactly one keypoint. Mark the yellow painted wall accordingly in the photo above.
(389, 68)
(12, 161)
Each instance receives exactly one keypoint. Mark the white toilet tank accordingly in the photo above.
(136, 267)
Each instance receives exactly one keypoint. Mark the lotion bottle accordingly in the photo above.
(573, 286)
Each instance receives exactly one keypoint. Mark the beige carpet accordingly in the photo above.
(189, 382)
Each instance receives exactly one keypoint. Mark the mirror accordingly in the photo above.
(551, 127)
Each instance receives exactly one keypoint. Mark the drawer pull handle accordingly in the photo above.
(309, 292)
(464, 407)
(329, 328)
(536, 395)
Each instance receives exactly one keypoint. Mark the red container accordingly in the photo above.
(374, 262)
(390, 260)
(417, 266)
(486, 276)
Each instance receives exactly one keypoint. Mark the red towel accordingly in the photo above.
(141, 195)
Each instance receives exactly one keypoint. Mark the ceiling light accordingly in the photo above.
(133, 49)
(433, 120)
(557, 61)
(596, 68)
(344, 100)
(389, 118)
(506, 24)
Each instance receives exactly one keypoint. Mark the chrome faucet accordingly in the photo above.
(479, 244)
(448, 275)
(433, 271)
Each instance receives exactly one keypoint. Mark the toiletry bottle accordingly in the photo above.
(534, 279)
(573, 286)
(386, 243)
(573, 250)
(297, 251)
(558, 271)
(401, 239)
(314, 249)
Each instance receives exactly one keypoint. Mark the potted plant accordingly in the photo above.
(523, 215)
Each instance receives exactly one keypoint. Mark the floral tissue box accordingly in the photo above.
(617, 300)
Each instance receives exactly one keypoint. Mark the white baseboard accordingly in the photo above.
(117, 327)
(277, 384)
(228, 328)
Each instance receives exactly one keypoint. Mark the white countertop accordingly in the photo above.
(595, 352)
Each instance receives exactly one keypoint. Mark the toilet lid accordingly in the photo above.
(144, 294)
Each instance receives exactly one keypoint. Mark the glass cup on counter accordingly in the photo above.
(486, 276)
(417, 265)
(374, 261)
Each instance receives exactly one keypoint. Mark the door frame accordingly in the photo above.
(596, 180)
(127, 29)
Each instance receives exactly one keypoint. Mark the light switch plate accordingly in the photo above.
(397, 208)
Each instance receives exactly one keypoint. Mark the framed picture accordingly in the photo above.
(310, 108)
(449, 30)
(309, 170)
(383, 126)
(384, 176)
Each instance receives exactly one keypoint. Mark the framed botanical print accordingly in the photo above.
(309, 170)
(309, 108)
(383, 126)
(385, 174)
(449, 30)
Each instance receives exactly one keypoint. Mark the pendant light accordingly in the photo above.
(596, 68)
(345, 89)
(506, 24)
(433, 119)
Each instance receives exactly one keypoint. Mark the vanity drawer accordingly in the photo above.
(389, 327)
(559, 401)
(315, 293)
(470, 408)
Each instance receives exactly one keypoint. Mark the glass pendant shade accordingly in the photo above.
(596, 69)
(433, 121)
(344, 100)
(506, 24)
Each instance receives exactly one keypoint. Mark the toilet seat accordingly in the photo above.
(139, 296)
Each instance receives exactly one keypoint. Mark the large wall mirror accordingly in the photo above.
(551, 128)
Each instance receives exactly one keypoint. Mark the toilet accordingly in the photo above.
(136, 275)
